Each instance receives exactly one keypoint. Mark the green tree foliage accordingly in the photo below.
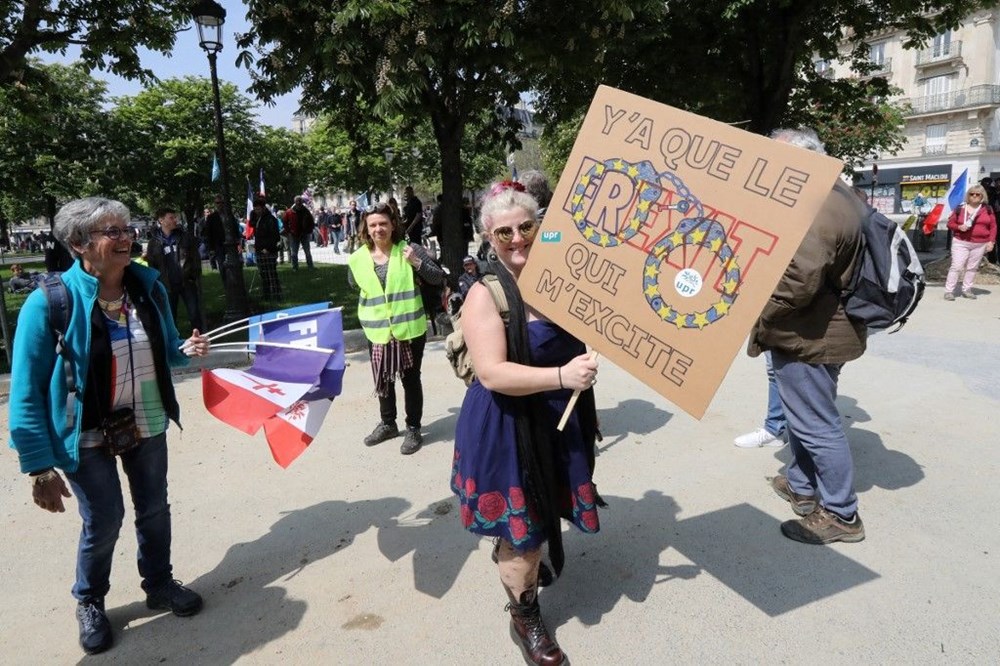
(287, 160)
(108, 32)
(557, 143)
(448, 61)
(743, 61)
(55, 141)
(170, 133)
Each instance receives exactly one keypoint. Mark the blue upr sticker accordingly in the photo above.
(551, 236)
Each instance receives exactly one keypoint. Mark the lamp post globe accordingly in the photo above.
(210, 16)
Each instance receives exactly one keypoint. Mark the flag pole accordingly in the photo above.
(572, 401)
(245, 346)
(221, 331)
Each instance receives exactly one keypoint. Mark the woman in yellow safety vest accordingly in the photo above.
(388, 271)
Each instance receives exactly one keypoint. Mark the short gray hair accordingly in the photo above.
(79, 217)
(537, 185)
(803, 137)
(505, 200)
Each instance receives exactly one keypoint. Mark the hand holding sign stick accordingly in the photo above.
(573, 398)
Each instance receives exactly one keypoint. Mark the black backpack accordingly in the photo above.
(888, 281)
(57, 300)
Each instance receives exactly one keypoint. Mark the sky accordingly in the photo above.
(188, 59)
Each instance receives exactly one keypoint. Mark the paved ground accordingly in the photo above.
(356, 555)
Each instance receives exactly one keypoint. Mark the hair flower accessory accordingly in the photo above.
(506, 185)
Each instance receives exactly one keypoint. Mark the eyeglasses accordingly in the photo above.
(381, 208)
(975, 194)
(506, 234)
(116, 233)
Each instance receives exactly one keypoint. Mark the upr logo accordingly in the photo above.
(551, 236)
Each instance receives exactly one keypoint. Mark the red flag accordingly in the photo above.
(931, 221)
(244, 400)
(291, 431)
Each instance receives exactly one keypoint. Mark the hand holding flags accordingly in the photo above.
(956, 197)
(289, 388)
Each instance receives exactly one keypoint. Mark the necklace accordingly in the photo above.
(116, 304)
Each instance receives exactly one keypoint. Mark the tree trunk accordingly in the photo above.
(453, 245)
(50, 210)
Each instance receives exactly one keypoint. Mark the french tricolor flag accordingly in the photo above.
(289, 388)
(941, 210)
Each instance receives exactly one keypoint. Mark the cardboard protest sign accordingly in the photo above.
(665, 237)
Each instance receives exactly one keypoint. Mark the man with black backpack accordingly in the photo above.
(806, 328)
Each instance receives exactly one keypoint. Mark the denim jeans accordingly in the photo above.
(821, 457)
(337, 235)
(98, 492)
(192, 301)
(293, 252)
(775, 421)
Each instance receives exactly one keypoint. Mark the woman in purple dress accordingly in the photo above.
(514, 473)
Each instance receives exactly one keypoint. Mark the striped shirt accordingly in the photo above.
(133, 379)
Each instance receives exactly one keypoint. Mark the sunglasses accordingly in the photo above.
(506, 234)
(975, 194)
(116, 233)
(379, 209)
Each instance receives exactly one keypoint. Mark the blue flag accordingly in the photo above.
(956, 195)
(216, 171)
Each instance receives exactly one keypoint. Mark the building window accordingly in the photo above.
(941, 45)
(937, 85)
(876, 53)
(822, 68)
(936, 139)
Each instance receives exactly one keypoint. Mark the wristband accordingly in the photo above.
(559, 370)
(44, 477)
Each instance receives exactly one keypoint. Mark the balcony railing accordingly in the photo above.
(879, 69)
(939, 149)
(940, 54)
(955, 99)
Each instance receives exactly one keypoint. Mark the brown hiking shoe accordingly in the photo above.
(802, 505)
(821, 527)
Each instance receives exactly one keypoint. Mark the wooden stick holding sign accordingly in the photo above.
(572, 400)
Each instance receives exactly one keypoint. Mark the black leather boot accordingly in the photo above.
(528, 631)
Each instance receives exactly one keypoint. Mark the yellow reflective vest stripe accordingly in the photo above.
(397, 311)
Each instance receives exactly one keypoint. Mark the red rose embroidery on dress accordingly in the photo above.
(586, 492)
(518, 528)
(467, 516)
(492, 506)
(589, 519)
(516, 499)
(457, 482)
(470, 487)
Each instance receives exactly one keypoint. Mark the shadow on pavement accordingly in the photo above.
(245, 606)
(629, 417)
(740, 546)
(874, 464)
(439, 545)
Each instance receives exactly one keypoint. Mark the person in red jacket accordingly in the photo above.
(975, 231)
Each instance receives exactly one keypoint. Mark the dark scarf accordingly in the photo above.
(534, 445)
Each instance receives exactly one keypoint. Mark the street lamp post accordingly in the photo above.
(209, 17)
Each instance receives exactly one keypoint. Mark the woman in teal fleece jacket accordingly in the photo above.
(121, 342)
